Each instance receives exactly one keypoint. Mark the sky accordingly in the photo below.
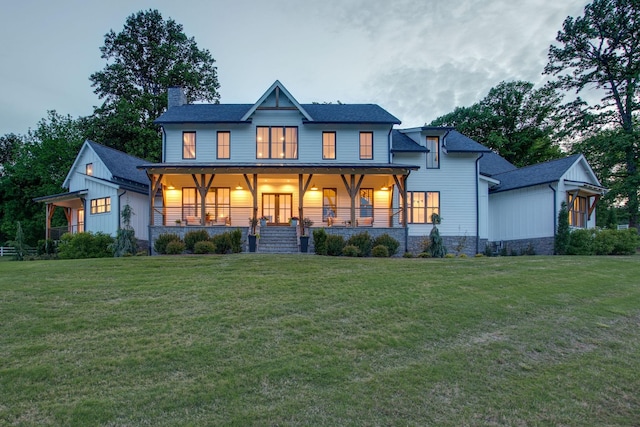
(418, 59)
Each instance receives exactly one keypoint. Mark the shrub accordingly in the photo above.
(126, 243)
(363, 242)
(563, 235)
(351, 250)
(223, 243)
(335, 244)
(85, 245)
(627, 242)
(407, 255)
(462, 255)
(436, 248)
(424, 255)
(193, 237)
(581, 242)
(389, 242)
(236, 240)
(487, 250)
(175, 247)
(479, 255)
(47, 247)
(204, 247)
(320, 241)
(604, 242)
(160, 245)
(380, 251)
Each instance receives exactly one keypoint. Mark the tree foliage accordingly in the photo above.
(514, 119)
(601, 50)
(149, 55)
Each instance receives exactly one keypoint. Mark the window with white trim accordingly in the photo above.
(433, 156)
(101, 205)
(421, 205)
(188, 145)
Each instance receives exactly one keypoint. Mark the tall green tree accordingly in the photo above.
(514, 119)
(9, 146)
(39, 168)
(149, 55)
(601, 51)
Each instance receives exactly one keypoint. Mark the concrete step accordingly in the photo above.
(278, 240)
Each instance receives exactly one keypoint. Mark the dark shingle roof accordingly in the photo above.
(459, 143)
(541, 173)
(122, 165)
(492, 164)
(320, 113)
(402, 143)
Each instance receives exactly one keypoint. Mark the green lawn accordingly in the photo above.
(307, 340)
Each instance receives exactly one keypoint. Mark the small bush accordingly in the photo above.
(223, 243)
(320, 241)
(487, 250)
(351, 250)
(335, 244)
(193, 237)
(236, 241)
(407, 255)
(581, 242)
(389, 242)
(449, 256)
(85, 245)
(47, 247)
(160, 245)
(479, 255)
(424, 255)
(463, 255)
(604, 242)
(204, 247)
(380, 251)
(175, 247)
(627, 242)
(363, 242)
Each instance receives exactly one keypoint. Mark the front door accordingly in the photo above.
(277, 207)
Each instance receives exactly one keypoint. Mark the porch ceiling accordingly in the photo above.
(278, 168)
(584, 187)
(67, 200)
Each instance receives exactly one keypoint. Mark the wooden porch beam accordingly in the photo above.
(156, 181)
(51, 208)
(253, 188)
(203, 189)
(596, 198)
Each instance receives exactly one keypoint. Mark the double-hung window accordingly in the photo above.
(329, 203)
(421, 205)
(366, 202)
(224, 145)
(276, 142)
(217, 202)
(101, 205)
(188, 145)
(328, 145)
(366, 145)
(433, 156)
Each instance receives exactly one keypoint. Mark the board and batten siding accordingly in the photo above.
(77, 179)
(103, 222)
(140, 219)
(524, 213)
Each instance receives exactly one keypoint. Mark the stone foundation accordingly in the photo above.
(454, 244)
(539, 246)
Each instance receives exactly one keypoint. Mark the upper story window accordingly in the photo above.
(276, 142)
(89, 169)
(224, 145)
(188, 145)
(366, 145)
(329, 145)
(433, 156)
(577, 211)
(102, 205)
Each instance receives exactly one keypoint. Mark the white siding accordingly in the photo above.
(103, 222)
(140, 205)
(483, 193)
(522, 214)
(77, 179)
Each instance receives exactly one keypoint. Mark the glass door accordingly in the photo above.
(276, 207)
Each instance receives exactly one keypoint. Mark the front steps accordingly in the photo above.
(278, 240)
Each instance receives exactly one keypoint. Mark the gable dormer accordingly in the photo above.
(277, 98)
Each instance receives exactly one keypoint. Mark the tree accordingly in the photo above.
(514, 119)
(143, 60)
(601, 50)
(563, 233)
(9, 146)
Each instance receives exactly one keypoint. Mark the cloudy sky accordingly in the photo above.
(418, 59)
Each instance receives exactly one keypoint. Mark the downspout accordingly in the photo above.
(555, 211)
(164, 144)
(478, 203)
(120, 204)
(389, 145)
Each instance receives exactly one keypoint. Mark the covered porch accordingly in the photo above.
(72, 204)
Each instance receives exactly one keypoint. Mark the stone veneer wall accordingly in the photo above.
(347, 232)
(467, 244)
(156, 230)
(541, 246)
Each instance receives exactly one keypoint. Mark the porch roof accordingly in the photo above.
(279, 168)
(70, 200)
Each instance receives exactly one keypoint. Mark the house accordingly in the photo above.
(100, 182)
(348, 169)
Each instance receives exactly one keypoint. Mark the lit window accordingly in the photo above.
(276, 142)
(433, 156)
(188, 145)
(224, 145)
(366, 202)
(102, 205)
(329, 204)
(80, 220)
(329, 145)
(421, 205)
(366, 145)
(577, 211)
(89, 169)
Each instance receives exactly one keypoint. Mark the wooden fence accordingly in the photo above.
(11, 251)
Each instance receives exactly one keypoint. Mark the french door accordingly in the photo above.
(277, 207)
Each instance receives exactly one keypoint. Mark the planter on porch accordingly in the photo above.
(304, 244)
(252, 242)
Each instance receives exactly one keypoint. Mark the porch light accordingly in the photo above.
(170, 187)
(314, 188)
(384, 188)
(239, 187)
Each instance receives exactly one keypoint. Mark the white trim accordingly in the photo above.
(267, 93)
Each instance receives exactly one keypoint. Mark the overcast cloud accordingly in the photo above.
(418, 59)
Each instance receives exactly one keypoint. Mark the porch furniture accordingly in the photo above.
(366, 221)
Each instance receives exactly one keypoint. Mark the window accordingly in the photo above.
(217, 203)
(80, 220)
(329, 203)
(433, 156)
(366, 202)
(102, 205)
(279, 142)
(421, 205)
(366, 145)
(188, 145)
(89, 169)
(329, 145)
(224, 145)
(577, 211)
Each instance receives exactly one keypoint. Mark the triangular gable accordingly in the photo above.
(582, 161)
(277, 97)
(85, 146)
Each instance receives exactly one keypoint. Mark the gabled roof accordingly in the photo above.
(455, 142)
(401, 143)
(312, 113)
(492, 164)
(541, 173)
(123, 167)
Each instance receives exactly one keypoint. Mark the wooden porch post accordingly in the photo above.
(302, 190)
(51, 208)
(401, 182)
(353, 191)
(153, 190)
(203, 190)
(253, 188)
(67, 215)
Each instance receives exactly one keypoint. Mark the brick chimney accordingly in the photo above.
(176, 97)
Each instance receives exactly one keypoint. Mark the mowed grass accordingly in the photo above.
(308, 340)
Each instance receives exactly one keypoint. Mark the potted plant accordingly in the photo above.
(263, 221)
(208, 216)
(304, 238)
(293, 221)
(253, 237)
(178, 222)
